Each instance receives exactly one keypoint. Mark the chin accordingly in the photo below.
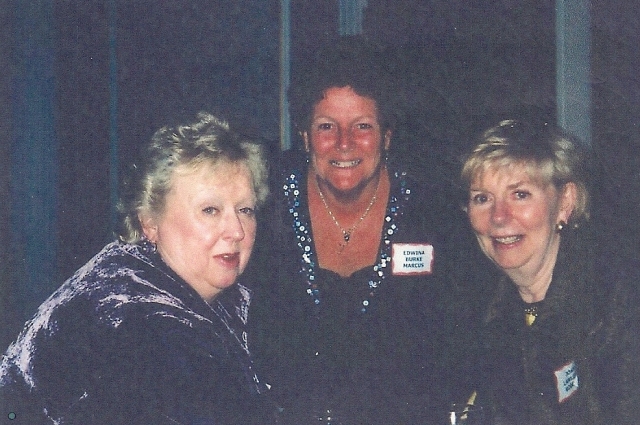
(508, 265)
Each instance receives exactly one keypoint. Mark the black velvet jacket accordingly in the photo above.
(579, 363)
(126, 341)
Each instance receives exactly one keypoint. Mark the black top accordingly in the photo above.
(373, 347)
(579, 362)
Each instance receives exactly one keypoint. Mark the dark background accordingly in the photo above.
(462, 64)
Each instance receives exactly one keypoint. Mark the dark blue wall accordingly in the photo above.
(71, 90)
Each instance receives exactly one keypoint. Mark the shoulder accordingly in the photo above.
(120, 283)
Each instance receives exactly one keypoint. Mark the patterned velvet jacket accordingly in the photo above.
(125, 340)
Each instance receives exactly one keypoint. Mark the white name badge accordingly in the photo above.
(566, 381)
(411, 259)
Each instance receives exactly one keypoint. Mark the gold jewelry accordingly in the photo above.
(530, 315)
(346, 233)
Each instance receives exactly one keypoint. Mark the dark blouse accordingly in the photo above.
(579, 362)
(370, 347)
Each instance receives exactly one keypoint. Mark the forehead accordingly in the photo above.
(209, 172)
(520, 172)
(344, 99)
(209, 167)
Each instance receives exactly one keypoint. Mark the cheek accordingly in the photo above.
(538, 218)
(486, 244)
(321, 143)
(197, 236)
(247, 243)
(172, 232)
(478, 220)
(250, 230)
(374, 145)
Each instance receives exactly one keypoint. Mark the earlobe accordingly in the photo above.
(387, 140)
(305, 138)
(149, 228)
(568, 201)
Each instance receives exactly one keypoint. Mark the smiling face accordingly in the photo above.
(515, 216)
(207, 228)
(345, 140)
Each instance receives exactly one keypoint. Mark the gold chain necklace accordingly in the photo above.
(346, 233)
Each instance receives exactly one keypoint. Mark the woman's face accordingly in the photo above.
(345, 140)
(515, 217)
(207, 229)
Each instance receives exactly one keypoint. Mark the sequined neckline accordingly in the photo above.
(302, 229)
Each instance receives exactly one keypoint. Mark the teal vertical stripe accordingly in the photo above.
(285, 73)
(34, 156)
(573, 67)
(351, 16)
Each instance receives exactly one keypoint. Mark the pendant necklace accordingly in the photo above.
(530, 315)
(531, 312)
(346, 233)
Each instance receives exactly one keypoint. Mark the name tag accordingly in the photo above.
(566, 381)
(411, 259)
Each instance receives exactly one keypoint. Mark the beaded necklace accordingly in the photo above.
(302, 229)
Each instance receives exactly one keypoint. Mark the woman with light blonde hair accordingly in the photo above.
(560, 333)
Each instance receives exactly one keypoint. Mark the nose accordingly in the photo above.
(344, 139)
(500, 212)
(233, 228)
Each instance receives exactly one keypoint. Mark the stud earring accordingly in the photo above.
(560, 226)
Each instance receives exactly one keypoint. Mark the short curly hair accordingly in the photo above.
(350, 61)
(209, 140)
(546, 151)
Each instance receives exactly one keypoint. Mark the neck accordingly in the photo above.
(354, 201)
(533, 284)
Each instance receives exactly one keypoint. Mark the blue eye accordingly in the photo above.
(209, 210)
(522, 194)
(248, 211)
(480, 198)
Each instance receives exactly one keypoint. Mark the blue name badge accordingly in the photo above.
(411, 259)
(566, 381)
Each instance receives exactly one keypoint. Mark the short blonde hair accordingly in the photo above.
(209, 140)
(545, 151)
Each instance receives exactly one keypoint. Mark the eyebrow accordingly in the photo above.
(359, 117)
(517, 184)
(510, 186)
